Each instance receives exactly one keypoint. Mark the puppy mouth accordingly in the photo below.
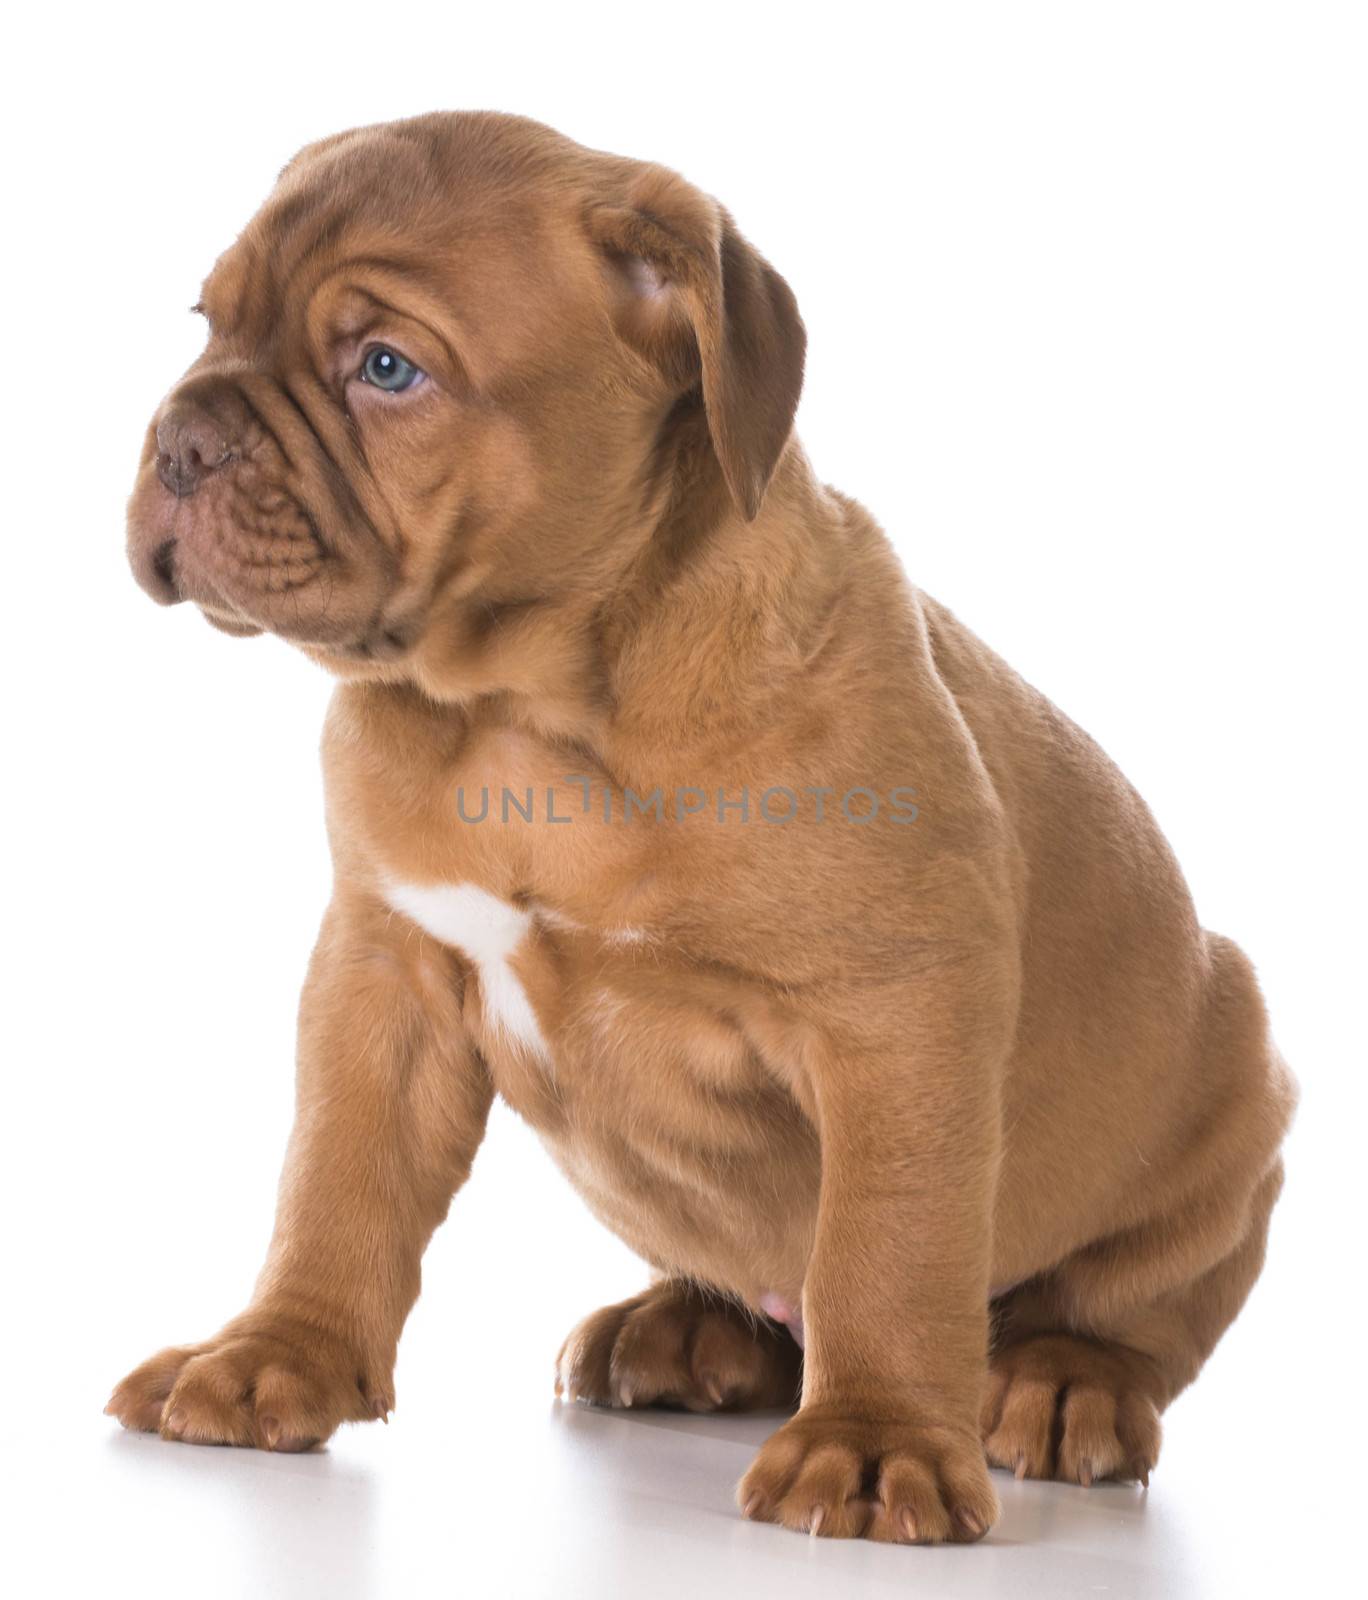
(250, 566)
(162, 572)
(229, 529)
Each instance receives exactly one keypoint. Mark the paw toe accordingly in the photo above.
(822, 1498)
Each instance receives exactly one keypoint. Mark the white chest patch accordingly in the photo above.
(486, 930)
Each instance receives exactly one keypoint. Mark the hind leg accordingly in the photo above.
(1077, 1380)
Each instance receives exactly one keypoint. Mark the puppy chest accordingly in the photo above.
(489, 933)
(599, 1027)
(535, 978)
(638, 1076)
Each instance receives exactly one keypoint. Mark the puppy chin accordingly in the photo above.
(229, 622)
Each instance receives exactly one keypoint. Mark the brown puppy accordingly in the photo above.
(844, 977)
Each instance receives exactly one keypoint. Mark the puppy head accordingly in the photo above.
(456, 367)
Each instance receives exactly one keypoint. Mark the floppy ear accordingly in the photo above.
(705, 307)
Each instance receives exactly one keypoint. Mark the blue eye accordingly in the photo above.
(388, 370)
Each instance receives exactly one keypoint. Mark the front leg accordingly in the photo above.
(391, 1107)
(886, 1442)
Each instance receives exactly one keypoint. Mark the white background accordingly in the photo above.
(1085, 291)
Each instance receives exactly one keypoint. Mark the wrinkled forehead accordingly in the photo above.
(379, 223)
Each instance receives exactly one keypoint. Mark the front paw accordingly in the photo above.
(847, 1477)
(272, 1382)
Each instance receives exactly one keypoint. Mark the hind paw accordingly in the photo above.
(1060, 1407)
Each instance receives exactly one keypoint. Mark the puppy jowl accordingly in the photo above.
(499, 431)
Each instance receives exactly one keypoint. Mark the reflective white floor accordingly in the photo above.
(484, 1485)
(534, 1500)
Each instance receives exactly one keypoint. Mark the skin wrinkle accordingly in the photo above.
(335, 479)
(313, 533)
(860, 1073)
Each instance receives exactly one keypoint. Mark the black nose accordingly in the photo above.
(190, 445)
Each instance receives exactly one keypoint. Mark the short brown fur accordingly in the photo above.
(977, 1093)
